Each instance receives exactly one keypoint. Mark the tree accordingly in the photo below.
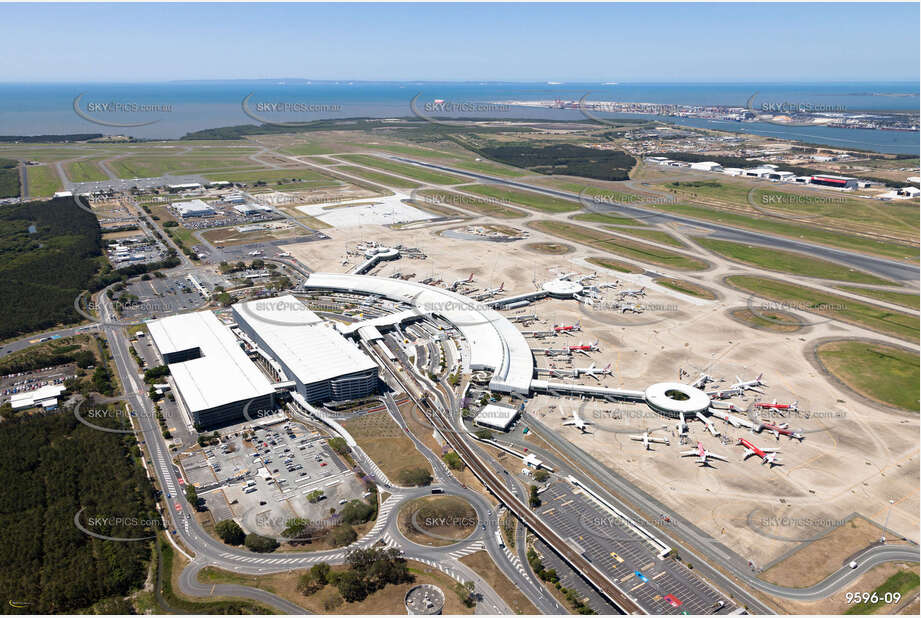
(418, 477)
(315, 496)
(535, 497)
(356, 512)
(339, 445)
(296, 529)
(465, 592)
(343, 535)
(191, 495)
(230, 532)
(453, 460)
(483, 434)
(314, 580)
(351, 586)
(541, 475)
(258, 543)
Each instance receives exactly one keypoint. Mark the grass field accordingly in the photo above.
(787, 262)
(385, 443)
(404, 169)
(485, 206)
(483, 564)
(686, 287)
(906, 299)
(43, 181)
(875, 370)
(663, 238)
(385, 179)
(618, 246)
(527, 199)
(792, 230)
(307, 149)
(622, 267)
(594, 217)
(84, 171)
(773, 321)
(436, 521)
(872, 317)
(902, 583)
(9, 178)
(835, 210)
(282, 180)
(152, 166)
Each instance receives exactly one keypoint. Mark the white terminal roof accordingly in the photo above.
(494, 342)
(310, 348)
(223, 373)
(676, 397)
(499, 417)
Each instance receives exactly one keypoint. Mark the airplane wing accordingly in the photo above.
(748, 453)
(569, 422)
(638, 438)
(687, 453)
(715, 456)
(771, 450)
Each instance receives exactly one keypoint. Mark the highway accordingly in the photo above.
(887, 268)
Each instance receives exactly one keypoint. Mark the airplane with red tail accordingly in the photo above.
(767, 455)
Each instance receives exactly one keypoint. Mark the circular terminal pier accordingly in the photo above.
(424, 600)
(672, 398)
(561, 288)
(382, 253)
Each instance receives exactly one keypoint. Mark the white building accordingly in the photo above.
(707, 166)
(192, 208)
(496, 417)
(214, 377)
(324, 365)
(733, 171)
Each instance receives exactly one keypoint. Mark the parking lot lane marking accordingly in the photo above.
(623, 579)
(659, 575)
(639, 585)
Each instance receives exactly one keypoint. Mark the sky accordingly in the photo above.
(456, 42)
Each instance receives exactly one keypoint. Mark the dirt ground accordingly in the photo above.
(854, 458)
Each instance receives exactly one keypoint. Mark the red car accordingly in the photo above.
(178, 507)
(322, 464)
(672, 600)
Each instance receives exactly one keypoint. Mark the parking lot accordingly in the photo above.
(264, 482)
(624, 556)
(158, 296)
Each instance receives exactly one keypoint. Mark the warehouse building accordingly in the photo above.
(496, 417)
(839, 182)
(213, 376)
(707, 166)
(192, 208)
(324, 365)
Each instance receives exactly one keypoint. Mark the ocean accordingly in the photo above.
(170, 110)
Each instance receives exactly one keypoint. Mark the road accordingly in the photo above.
(887, 268)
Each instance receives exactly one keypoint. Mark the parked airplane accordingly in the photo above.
(702, 380)
(540, 334)
(780, 430)
(584, 348)
(568, 328)
(578, 422)
(702, 454)
(284, 254)
(255, 253)
(459, 282)
(725, 393)
(735, 421)
(783, 407)
(631, 307)
(767, 455)
(592, 371)
(749, 385)
(639, 292)
(529, 317)
(490, 292)
(648, 439)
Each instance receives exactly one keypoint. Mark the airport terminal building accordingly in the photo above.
(324, 365)
(214, 377)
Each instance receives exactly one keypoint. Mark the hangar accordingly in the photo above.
(324, 365)
(214, 377)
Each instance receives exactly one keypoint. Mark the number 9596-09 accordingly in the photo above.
(872, 597)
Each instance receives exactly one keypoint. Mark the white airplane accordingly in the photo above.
(284, 254)
(702, 454)
(639, 292)
(255, 253)
(706, 421)
(767, 455)
(682, 425)
(592, 371)
(631, 307)
(735, 421)
(459, 282)
(750, 385)
(648, 439)
(540, 334)
(578, 422)
(490, 292)
(702, 380)
(725, 393)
